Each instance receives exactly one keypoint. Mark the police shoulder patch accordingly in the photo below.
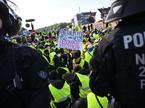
(42, 74)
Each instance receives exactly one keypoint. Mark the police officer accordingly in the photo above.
(118, 64)
(23, 72)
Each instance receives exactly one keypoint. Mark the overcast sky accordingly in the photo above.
(48, 12)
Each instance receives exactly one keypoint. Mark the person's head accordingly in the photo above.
(53, 75)
(60, 71)
(80, 103)
(10, 23)
(76, 54)
(60, 52)
(122, 9)
(90, 47)
(76, 67)
(69, 77)
(19, 40)
(46, 52)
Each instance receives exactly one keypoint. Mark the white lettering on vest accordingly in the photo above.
(140, 59)
(140, 63)
(142, 82)
(138, 40)
(142, 73)
(127, 39)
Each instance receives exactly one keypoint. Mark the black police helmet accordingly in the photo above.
(11, 21)
(124, 8)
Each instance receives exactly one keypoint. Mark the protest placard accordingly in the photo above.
(70, 40)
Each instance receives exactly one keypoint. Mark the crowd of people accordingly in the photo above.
(68, 79)
(107, 73)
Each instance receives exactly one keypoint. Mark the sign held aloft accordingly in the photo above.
(70, 39)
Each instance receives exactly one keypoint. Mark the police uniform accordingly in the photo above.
(23, 71)
(23, 79)
(118, 62)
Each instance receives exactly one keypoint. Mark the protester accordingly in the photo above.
(91, 101)
(118, 62)
(78, 61)
(59, 89)
(79, 83)
(89, 53)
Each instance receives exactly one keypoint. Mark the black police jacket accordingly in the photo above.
(23, 77)
(118, 64)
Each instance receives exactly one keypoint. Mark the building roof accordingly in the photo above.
(82, 17)
(104, 10)
(87, 13)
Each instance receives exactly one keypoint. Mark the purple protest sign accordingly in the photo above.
(70, 40)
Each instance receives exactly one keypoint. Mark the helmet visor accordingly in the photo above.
(13, 9)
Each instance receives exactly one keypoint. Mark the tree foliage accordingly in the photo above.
(54, 27)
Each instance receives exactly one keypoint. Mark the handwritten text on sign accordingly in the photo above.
(70, 40)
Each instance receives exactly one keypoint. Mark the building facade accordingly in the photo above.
(84, 18)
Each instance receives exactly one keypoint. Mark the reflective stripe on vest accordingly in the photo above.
(66, 69)
(85, 88)
(93, 103)
(31, 46)
(60, 95)
(45, 58)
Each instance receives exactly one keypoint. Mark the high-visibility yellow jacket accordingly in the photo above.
(60, 95)
(66, 69)
(88, 56)
(94, 102)
(85, 88)
(51, 55)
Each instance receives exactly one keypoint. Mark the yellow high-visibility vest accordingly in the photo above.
(96, 36)
(88, 56)
(60, 95)
(93, 102)
(66, 69)
(82, 63)
(51, 55)
(85, 88)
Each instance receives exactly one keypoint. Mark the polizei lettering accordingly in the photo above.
(140, 62)
(137, 40)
